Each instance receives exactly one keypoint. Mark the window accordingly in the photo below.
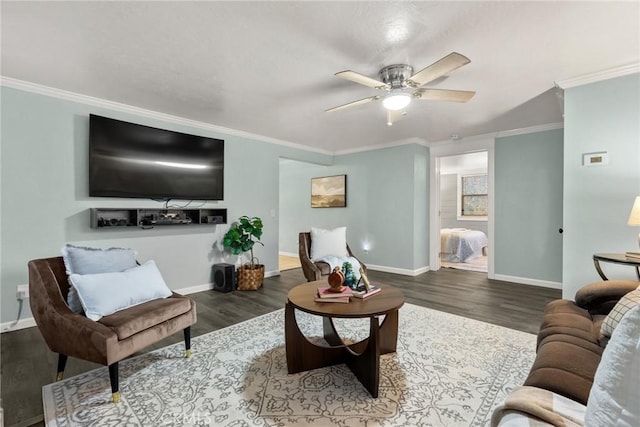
(473, 197)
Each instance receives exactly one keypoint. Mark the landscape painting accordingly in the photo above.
(329, 192)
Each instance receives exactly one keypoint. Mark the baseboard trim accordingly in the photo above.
(289, 254)
(194, 289)
(209, 286)
(29, 322)
(527, 281)
(401, 271)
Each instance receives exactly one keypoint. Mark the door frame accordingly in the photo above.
(453, 148)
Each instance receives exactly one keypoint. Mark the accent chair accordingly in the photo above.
(110, 339)
(315, 270)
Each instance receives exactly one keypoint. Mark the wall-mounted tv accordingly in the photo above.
(131, 160)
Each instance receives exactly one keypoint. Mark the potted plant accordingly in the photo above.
(241, 237)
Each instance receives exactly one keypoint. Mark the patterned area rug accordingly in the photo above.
(447, 371)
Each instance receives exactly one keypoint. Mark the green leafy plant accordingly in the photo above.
(241, 235)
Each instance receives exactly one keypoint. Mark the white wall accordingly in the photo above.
(603, 116)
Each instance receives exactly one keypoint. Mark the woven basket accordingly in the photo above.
(250, 279)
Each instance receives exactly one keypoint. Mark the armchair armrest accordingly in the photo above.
(601, 297)
(310, 270)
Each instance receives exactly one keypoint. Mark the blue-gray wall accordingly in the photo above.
(528, 206)
(45, 202)
(603, 116)
(387, 192)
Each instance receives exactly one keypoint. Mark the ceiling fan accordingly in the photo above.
(402, 85)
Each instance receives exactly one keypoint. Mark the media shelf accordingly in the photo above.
(111, 218)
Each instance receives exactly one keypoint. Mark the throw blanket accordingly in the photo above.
(336, 261)
(531, 407)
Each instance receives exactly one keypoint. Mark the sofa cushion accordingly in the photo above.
(104, 294)
(564, 317)
(84, 260)
(615, 394)
(130, 321)
(626, 303)
(564, 368)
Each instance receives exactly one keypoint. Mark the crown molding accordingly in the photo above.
(531, 129)
(500, 134)
(624, 70)
(407, 141)
(124, 108)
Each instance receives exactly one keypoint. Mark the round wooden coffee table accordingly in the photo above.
(363, 357)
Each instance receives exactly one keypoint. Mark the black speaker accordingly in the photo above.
(224, 277)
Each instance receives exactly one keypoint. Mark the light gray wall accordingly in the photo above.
(602, 116)
(449, 206)
(45, 202)
(528, 206)
(387, 193)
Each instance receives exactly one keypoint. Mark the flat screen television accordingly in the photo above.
(131, 160)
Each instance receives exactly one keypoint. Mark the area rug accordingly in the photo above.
(447, 371)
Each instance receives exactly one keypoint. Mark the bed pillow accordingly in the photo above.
(83, 260)
(614, 396)
(328, 243)
(103, 294)
(626, 303)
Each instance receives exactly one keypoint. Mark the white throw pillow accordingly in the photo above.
(83, 260)
(328, 243)
(615, 394)
(105, 293)
(626, 303)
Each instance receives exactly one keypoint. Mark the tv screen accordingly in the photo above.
(131, 160)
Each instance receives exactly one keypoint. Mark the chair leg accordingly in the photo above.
(187, 341)
(62, 362)
(115, 387)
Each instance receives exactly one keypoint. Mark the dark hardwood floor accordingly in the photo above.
(27, 364)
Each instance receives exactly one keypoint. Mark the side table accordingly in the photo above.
(615, 259)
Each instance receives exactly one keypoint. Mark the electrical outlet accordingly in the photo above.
(23, 292)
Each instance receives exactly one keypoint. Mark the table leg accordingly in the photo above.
(302, 355)
(599, 270)
(389, 333)
(366, 365)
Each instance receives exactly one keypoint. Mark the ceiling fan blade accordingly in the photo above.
(395, 116)
(361, 79)
(439, 68)
(444, 95)
(353, 104)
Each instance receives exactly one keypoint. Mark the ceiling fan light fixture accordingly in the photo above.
(396, 101)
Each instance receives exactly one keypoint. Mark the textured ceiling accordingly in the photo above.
(268, 67)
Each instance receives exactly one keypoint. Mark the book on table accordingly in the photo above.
(362, 292)
(325, 292)
(342, 299)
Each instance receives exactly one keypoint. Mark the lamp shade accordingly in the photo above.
(396, 101)
(634, 216)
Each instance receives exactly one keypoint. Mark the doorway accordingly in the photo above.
(463, 196)
(438, 152)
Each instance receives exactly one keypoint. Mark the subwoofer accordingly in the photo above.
(224, 277)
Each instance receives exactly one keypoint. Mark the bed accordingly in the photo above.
(461, 244)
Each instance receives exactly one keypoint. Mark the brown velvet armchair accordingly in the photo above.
(315, 270)
(110, 339)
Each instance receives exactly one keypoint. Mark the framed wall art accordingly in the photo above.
(329, 192)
